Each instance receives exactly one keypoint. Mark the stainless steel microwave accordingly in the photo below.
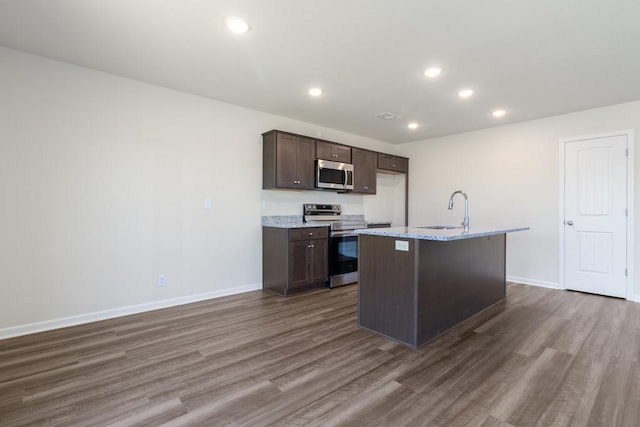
(335, 175)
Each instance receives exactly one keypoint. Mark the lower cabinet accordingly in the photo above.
(294, 259)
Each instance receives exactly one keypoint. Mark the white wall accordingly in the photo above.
(388, 204)
(102, 184)
(511, 174)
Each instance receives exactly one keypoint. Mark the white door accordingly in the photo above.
(595, 222)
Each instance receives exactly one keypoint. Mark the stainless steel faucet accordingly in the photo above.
(465, 221)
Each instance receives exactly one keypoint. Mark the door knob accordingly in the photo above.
(569, 222)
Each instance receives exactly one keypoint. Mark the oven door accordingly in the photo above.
(343, 258)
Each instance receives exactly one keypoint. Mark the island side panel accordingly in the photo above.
(386, 290)
(458, 279)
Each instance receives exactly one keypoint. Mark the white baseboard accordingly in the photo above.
(552, 285)
(532, 282)
(47, 325)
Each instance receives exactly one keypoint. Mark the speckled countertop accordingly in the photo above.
(441, 235)
(295, 221)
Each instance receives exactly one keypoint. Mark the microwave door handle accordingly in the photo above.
(346, 177)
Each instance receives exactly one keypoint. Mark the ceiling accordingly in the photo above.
(533, 58)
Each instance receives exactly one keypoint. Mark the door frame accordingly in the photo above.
(631, 295)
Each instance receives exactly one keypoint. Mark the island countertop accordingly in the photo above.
(424, 233)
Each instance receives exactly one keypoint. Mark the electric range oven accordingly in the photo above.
(343, 242)
(343, 253)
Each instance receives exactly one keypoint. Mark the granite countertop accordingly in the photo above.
(441, 235)
(298, 224)
(296, 221)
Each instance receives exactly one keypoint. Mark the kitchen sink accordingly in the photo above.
(442, 227)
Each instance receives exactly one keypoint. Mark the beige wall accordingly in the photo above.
(102, 185)
(511, 174)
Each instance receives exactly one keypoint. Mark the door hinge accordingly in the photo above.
(626, 152)
(626, 211)
(625, 272)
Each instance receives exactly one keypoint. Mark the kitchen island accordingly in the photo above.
(416, 283)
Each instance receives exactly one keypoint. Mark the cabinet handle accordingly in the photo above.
(365, 187)
(393, 166)
(310, 234)
(311, 246)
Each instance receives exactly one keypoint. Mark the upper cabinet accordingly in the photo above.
(330, 151)
(393, 163)
(365, 164)
(287, 161)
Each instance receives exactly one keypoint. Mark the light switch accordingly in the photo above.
(402, 245)
(208, 203)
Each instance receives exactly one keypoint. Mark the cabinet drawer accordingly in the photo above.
(392, 163)
(308, 233)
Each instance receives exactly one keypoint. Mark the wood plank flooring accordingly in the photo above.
(544, 357)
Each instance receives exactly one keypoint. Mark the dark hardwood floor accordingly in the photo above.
(544, 357)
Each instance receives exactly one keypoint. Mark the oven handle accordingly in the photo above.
(346, 233)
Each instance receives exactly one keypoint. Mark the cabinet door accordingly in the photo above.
(305, 167)
(392, 163)
(342, 153)
(335, 152)
(318, 260)
(286, 155)
(364, 170)
(299, 263)
(324, 151)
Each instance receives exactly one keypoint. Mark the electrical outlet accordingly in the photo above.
(402, 245)
(162, 280)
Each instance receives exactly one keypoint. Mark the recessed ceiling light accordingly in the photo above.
(237, 25)
(315, 91)
(499, 113)
(433, 72)
(413, 125)
(465, 93)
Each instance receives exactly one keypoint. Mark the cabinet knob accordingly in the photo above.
(365, 187)
(310, 234)
(393, 166)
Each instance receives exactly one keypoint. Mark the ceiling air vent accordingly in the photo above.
(386, 116)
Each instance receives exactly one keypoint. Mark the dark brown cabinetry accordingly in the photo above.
(415, 295)
(330, 151)
(288, 161)
(393, 163)
(294, 259)
(364, 170)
